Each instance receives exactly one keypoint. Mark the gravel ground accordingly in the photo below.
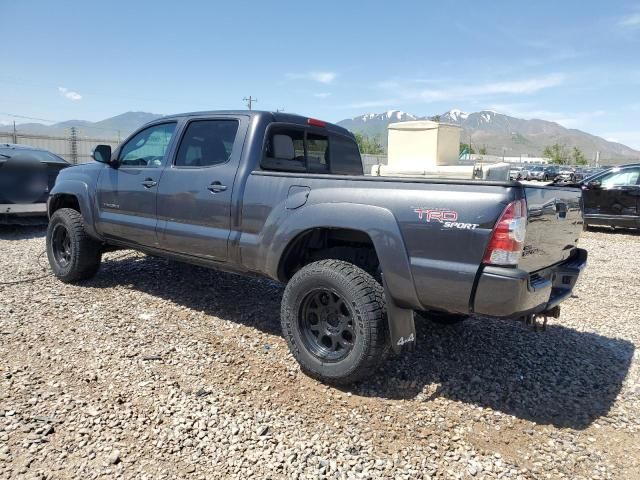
(159, 370)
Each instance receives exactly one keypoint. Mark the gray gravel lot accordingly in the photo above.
(160, 370)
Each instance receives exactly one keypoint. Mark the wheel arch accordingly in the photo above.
(75, 195)
(376, 225)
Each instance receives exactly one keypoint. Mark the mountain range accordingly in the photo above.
(114, 127)
(498, 133)
(501, 134)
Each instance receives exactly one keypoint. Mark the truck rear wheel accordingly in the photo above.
(73, 255)
(333, 318)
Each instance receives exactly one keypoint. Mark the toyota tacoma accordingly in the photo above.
(284, 197)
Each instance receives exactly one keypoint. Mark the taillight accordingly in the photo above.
(316, 123)
(507, 238)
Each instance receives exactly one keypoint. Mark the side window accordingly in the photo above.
(291, 149)
(317, 153)
(207, 143)
(148, 147)
(285, 150)
(345, 156)
(628, 176)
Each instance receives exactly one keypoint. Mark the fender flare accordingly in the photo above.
(381, 226)
(80, 190)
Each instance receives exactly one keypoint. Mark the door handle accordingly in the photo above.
(216, 187)
(149, 182)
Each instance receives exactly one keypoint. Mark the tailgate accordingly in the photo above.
(554, 226)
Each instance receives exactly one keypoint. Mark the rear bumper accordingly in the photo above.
(23, 208)
(505, 292)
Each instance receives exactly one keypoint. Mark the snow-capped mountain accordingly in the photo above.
(500, 133)
(389, 116)
(375, 124)
(454, 116)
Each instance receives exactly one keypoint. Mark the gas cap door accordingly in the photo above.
(297, 196)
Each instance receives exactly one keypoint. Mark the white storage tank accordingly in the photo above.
(422, 145)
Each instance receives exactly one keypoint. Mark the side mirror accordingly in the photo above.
(594, 184)
(102, 154)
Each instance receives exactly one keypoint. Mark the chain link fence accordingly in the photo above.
(73, 148)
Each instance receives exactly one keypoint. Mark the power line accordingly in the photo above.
(24, 117)
(29, 118)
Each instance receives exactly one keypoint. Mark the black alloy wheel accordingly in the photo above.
(326, 323)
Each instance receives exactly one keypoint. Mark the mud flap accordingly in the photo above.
(402, 328)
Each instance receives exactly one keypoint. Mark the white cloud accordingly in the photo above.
(632, 20)
(322, 95)
(522, 87)
(406, 93)
(321, 77)
(529, 111)
(70, 94)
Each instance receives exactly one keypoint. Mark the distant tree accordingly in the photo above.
(556, 153)
(435, 118)
(482, 150)
(465, 148)
(577, 157)
(367, 145)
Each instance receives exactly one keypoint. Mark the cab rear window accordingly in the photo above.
(297, 149)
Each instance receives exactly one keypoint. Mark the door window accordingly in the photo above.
(148, 147)
(207, 143)
(627, 176)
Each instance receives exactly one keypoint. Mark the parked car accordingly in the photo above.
(581, 173)
(519, 173)
(544, 173)
(612, 197)
(515, 173)
(565, 174)
(536, 172)
(284, 196)
(27, 174)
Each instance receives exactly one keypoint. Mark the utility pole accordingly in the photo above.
(15, 134)
(250, 101)
(73, 139)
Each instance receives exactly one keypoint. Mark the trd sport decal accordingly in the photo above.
(447, 218)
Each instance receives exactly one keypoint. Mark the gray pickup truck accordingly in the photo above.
(284, 196)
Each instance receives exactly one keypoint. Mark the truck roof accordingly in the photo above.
(273, 116)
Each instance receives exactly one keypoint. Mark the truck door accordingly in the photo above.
(196, 188)
(126, 196)
(614, 198)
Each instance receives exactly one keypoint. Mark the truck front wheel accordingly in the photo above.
(333, 318)
(73, 255)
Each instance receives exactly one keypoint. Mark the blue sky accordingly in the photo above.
(574, 62)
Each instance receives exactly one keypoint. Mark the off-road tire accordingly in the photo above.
(362, 258)
(364, 296)
(85, 254)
